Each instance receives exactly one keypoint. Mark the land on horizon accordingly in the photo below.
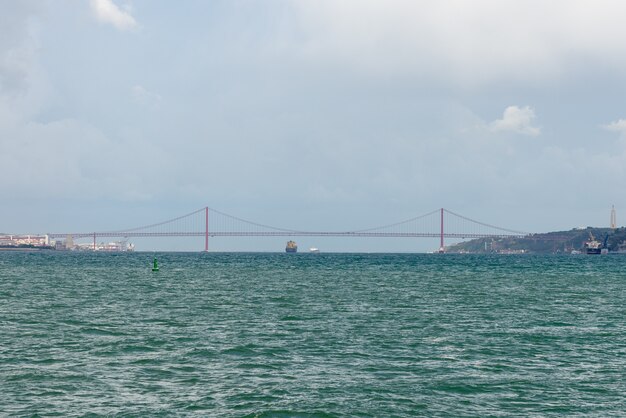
(545, 243)
(536, 243)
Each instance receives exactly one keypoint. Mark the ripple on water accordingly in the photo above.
(264, 335)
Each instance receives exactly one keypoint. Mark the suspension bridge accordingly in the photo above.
(207, 222)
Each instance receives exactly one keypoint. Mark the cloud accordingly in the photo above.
(88, 164)
(145, 97)
(106, 11)
(23, 79)
(516, 119)
(468, 42)
(617, 126)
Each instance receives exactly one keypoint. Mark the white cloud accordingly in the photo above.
(516, 119)
(467, 42)
(108, 12)
(23, 80)
(617, 126)
(68, 158)
(145, 97)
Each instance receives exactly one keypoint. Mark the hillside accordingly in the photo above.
(546, 243)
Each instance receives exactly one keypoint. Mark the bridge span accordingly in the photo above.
(206, 222)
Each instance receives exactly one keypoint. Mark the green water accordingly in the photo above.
(312, 335)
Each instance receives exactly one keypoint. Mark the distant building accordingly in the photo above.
(15, 240)
(115, 246)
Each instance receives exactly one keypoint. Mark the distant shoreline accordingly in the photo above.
(10, 248)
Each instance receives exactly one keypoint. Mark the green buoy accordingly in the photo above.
(155, 266)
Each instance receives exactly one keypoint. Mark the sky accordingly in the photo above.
(318, 115)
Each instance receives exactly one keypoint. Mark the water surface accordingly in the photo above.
(312, 335)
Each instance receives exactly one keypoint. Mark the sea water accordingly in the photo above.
(312, 335)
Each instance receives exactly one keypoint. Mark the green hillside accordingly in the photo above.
(547, 243)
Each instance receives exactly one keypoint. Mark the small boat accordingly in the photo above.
(314, 250)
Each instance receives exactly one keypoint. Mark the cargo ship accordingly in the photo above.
(291, 247)
(593, 246)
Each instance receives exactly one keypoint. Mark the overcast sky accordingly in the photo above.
(311, 114)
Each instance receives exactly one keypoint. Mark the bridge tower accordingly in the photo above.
(442, 248)
(206, 229)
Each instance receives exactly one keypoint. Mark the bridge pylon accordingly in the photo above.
(206, 229)
(442, 248)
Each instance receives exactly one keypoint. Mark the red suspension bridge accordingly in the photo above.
(207, 222)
